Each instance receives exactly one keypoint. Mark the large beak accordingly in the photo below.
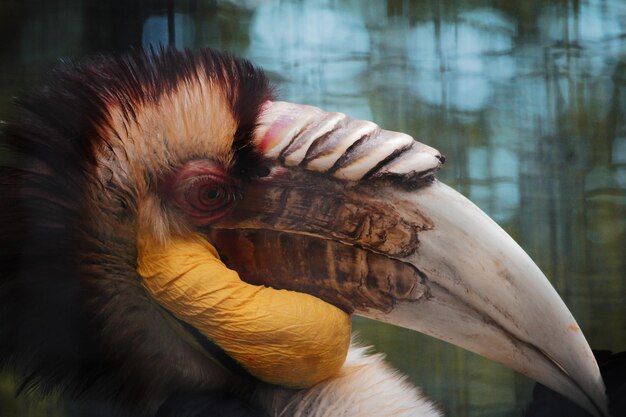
(353, 215)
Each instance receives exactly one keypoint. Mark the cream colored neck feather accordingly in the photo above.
(366, 386)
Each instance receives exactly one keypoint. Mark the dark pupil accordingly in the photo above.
(211, 193)
(263, 171)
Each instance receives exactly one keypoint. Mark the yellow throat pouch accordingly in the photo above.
(282, 337)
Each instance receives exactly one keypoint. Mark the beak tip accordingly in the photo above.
(489, 297)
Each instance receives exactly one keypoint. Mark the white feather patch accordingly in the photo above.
(366, 386)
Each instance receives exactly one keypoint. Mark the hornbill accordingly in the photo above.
(175, 240)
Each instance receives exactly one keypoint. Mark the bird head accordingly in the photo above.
(135, 184)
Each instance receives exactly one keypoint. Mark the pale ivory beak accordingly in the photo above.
(487, 296)
(440, 264)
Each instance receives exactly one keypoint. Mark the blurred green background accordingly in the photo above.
(527, 99)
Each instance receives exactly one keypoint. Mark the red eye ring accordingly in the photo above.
(203, 190)
(207, 193)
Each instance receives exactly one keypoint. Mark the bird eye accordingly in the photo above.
(207, 198)
(203, 190)
(263, 171)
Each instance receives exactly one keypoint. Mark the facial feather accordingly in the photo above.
(83, 155)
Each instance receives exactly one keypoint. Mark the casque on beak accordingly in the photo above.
(352, 214)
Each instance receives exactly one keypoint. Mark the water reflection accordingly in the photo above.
(527, 101)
